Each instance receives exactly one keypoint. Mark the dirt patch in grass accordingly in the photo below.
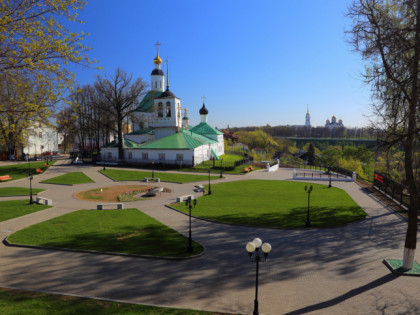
(109, 194)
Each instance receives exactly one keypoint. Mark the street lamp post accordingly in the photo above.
(329, 177)
(190, 204)
(153, 169)
(209, 193)
(30, 177)
(221, 164)
(253, 249)
(308, 222)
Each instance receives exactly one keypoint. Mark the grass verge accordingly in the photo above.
(23, 302)
(121, 175)
(16, 208)
(18, 191)
(119, 231)
(21, 170)
(276, 204)
(73, 178)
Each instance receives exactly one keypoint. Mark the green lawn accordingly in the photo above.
(73, 178)
(276, 204)
(13, 302)
(228, 162)
(15, 208)
(119, 231)
(121, 175)
(18, 191)
(18, 171)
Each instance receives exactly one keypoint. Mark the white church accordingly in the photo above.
(161, 134)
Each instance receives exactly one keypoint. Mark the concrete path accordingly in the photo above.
(315, 271)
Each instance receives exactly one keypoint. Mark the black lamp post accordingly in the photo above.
(209, 193)
(221, 164)
(153, 169)
(190, 204)
(308, 222)
(253, 249)
(329, 177)
(30, 177)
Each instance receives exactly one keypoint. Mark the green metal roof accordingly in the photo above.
(127, 144)
(205, 129)
(146, 104)
(142, 132)
(184, 139)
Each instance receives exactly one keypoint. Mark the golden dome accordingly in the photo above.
(157, 60)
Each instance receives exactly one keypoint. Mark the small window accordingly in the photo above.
(109, 155)
(40, 135)
(162, 156)
(130, 155)
(160, 110)
(145, 156)
(168, 109)
(141, 125)
(180, 157)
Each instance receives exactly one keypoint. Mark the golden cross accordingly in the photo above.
(204, 98)
(157, 45)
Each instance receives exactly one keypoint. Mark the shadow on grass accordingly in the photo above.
(296, 218)
(150, 240)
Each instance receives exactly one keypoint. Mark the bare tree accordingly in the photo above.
(121, 96)
(387, 35)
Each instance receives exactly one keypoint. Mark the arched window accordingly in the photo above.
(168, 109)
(160, 109)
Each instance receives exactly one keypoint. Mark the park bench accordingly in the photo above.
(183, 198)
(38, 170)
(5, 177)
(154, 191)
(246, 170)
(251, 168)
(46, 165)
(116, 205)
(200, 188)
(149, 179)
(43, 201)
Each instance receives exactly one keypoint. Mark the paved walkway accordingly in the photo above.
(316, 271)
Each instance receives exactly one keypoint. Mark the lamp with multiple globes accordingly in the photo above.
(253, 249)
(190, 204)
(308, 222)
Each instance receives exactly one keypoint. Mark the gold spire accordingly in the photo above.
(157, 60)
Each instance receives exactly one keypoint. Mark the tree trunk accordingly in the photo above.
(120, 139)
(411, 236)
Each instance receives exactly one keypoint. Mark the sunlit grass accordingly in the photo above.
(276, 204)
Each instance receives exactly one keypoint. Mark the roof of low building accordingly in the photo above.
(127, 144)
(204, 128)
(141, 132)
(185, 139)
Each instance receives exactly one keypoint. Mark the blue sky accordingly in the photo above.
(257, 62)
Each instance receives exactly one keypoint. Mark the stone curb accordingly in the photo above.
(7, 243)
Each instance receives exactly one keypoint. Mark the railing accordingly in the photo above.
(393, 189)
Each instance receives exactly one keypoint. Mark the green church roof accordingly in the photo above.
(146, 104)
(184, 139)
(127, 144)
(142, 132)
(205, 129)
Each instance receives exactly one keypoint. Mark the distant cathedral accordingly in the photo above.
(333, 123)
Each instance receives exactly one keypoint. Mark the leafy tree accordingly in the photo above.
(24, 102)
(387, 35)
(311, 154)
(35, 48)
(330, 156)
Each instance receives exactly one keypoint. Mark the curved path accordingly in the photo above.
(316, 271)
